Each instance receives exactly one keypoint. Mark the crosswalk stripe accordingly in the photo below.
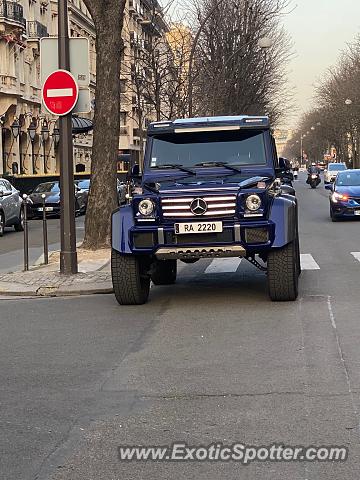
(356, 255)
(223, 265)
(308, 262)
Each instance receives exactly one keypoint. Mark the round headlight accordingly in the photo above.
(253, 202)
(146, 207)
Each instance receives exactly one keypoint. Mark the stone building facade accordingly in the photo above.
(28, 134)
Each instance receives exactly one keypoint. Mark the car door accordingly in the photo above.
(13, 201)
(5, 202)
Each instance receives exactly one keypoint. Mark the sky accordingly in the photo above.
(319, 29)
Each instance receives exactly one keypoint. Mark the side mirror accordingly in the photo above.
(6, 193)
(329, 186)
(135, 172)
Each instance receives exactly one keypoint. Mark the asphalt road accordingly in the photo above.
(208, 360)
(12, 243)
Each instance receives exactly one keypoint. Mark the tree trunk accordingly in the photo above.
(108, 19)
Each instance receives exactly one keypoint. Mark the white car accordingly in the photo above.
(332, 170)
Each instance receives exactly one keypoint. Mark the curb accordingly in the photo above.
(16, 290)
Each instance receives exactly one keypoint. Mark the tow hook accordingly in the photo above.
(256, 263)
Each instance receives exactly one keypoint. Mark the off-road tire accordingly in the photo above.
(130, 281)
(19, 227)
(283, 274)
(164, 272)
(2, 224)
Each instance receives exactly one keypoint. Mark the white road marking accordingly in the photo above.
(60, 92)
(356, 255)
(223, 265)
(308, 262)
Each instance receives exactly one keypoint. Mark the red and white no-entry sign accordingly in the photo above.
(60, 92)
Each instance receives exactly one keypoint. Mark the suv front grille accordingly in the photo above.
(217, 206)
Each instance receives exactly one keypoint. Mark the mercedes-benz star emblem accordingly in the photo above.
(198, 206)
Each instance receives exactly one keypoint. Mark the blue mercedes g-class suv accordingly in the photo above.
(210, 187)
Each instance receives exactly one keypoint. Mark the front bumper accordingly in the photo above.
(344, 210)
(36, 210)
(236, 240)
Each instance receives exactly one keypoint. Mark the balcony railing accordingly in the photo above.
(36, 29)
(12, 12)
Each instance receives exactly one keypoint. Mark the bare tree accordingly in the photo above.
(237, 75)
(108, 19)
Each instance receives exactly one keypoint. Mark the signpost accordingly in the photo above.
(60, 93)
(79, 66)
(68, 255)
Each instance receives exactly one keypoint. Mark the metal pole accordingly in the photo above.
(26, 236)
(301, 150)
(68, 255)
(33, 157)
(45, 233)
(44, 146)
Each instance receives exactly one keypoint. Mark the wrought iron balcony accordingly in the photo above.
(13, 13)
(36, 29)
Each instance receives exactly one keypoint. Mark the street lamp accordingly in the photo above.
(45, 137)
(15, 128)
(32, 134)
(56, 135)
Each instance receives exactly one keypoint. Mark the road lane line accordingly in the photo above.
(223, 265)
(308, 262)
(356, 255)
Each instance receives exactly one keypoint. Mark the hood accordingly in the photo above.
(352, 191)
(51, 197)
(197, 184)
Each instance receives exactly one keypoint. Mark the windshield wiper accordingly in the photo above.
(219, 164)
(173, 166)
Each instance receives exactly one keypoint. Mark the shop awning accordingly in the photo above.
(81, 125)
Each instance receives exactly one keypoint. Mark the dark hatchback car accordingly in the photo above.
(51, 190)
(345, 195)
(84, 186)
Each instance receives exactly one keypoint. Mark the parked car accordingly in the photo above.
(84, 186)
(11, 207)
(332, 170)
(345, 195)
(51, 190)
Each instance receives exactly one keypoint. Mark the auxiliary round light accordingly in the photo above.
(146, 207)
(253, 202)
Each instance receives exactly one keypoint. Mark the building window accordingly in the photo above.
(123, 118)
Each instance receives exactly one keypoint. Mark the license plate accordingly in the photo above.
(199, 227)
(47, 209)
(357, 212)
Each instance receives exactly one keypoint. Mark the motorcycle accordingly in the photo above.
(313, 180)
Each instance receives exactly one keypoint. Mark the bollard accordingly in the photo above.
(26, 235)
(45, 232)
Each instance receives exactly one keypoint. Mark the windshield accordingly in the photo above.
(47, 187)
(336, 167)
(348, 179)
(189, 149)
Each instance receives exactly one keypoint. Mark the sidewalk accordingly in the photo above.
(94, 277)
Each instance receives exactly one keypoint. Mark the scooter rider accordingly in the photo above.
(313, 170)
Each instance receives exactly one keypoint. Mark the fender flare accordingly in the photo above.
(284, 214)
(121, 223)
